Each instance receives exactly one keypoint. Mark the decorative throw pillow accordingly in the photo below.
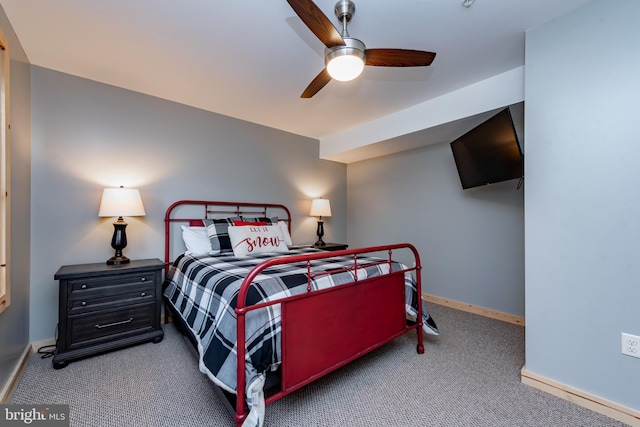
(196, 240)
(218, 232)
(257, 239)
(272, 221)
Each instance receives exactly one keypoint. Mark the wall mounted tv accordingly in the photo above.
(489, 153)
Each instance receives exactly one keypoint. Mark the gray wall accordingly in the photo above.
(14, 321)
(471, 242)
(87, 136)
(582, 202)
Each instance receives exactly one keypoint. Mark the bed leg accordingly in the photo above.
(420, 346)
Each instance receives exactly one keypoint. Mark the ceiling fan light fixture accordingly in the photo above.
(345, 67)
(345, 63)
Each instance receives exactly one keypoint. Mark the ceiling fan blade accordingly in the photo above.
(317, 22)
(398, 57)
(318, 83)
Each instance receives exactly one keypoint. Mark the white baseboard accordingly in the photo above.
(12, 382)
(498, 315)
(595, 403)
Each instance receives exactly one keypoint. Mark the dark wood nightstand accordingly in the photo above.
(104, 307)
(332, 247)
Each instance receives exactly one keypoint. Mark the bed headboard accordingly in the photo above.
(185, 212)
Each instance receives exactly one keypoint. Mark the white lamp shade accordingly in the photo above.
(320, 207)
(121, 202)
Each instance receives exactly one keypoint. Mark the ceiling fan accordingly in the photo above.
(345, 56)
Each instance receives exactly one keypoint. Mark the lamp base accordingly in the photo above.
(119, 242)
(320, 233)
(117, 260)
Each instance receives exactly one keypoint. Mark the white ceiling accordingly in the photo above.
(251, 59)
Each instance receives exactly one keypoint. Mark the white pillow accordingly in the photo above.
(256, 239)
(196, 239)
(285, 233)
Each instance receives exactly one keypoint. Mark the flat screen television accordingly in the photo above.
(489, 153)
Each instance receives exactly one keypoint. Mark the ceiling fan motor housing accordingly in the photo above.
(351, 47)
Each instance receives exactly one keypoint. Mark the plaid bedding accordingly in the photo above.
(204, 288)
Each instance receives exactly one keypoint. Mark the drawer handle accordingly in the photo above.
(83, 287)
(129, 320)
(83, 303)
(144, 279)
(143, 294)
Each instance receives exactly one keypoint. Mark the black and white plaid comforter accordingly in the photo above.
(204, 288)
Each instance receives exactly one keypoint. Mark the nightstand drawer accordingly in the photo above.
(118, 296)
(109, 325)
(107, 283)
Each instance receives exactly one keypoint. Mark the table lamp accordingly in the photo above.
(120, 202)
(320, 208)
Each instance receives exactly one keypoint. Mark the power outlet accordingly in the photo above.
(631, 345)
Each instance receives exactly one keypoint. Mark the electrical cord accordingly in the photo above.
(47, 351)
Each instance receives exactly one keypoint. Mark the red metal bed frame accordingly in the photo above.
(322, 330)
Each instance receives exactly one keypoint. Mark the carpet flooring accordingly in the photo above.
(468, 376)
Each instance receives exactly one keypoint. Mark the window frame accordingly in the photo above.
(5, 228)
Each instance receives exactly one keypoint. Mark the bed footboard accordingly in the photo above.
(325, 329)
